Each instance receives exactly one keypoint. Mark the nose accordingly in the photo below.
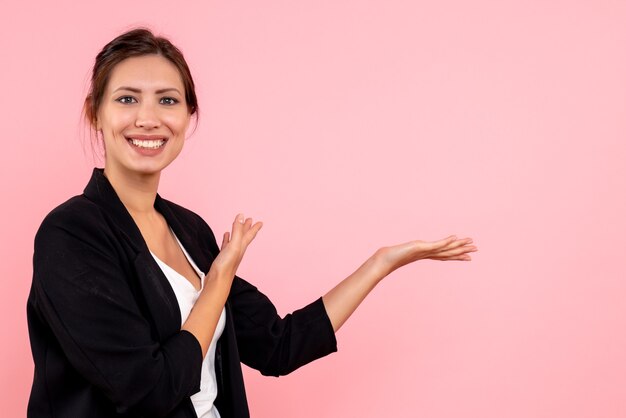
(147, 116)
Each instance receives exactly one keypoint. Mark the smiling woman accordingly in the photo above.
(134, 309)
(142, 113)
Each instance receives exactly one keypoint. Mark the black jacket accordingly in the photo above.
(104, 322)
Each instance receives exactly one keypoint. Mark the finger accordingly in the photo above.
(251, 233)
(225, 239)
(459, 241)
(453, 244)
(455, 251)
(254, 230)
(463, 257)
(245, 228)
(238, 226)
(436, 245)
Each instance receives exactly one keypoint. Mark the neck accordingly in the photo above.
(136, 191)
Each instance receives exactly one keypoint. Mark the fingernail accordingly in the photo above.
(240, 218)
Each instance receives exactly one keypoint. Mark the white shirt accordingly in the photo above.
(186, 295)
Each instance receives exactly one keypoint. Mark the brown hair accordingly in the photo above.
(134, 43)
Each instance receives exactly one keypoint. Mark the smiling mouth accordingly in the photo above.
(147, 143)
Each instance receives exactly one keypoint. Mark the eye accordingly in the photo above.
(126, 100)
(168, 101)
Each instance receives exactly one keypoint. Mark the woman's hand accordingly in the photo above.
(204, 316)
(341, 301)
(450, 248)
(234, 245)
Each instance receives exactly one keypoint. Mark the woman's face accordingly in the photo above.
(143, 116)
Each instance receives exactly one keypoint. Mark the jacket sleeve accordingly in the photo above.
(83, 294)
(266, 342)
(273, 345)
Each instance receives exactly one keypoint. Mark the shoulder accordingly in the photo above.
(74, 239)
(76, 219)
(75, 211)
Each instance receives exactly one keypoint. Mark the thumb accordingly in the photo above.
(225, 240)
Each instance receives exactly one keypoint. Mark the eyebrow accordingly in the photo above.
(136, 90)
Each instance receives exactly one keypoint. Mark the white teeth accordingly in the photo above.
(149, 144)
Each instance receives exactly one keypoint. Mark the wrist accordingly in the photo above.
(379, 265)
(219, 275)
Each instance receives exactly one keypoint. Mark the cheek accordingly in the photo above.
(177, 122)
(122, 120)
(114, 123)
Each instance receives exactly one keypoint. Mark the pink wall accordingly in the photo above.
(348, 125)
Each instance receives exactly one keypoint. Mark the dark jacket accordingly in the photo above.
(104, 322)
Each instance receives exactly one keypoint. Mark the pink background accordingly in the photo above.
(348, 125)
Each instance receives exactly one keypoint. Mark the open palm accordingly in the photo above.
(450, 248)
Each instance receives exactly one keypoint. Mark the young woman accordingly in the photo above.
(134, 310)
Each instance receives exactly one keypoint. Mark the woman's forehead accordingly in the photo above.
(146, 72)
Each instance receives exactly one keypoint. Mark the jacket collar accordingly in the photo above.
(101, 192)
